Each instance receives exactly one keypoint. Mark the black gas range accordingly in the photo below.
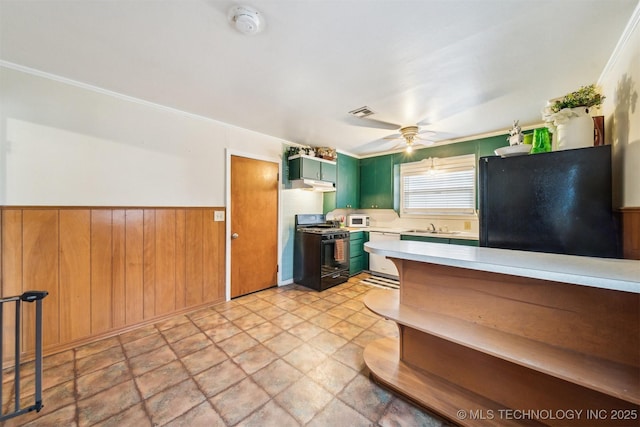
(321, 252)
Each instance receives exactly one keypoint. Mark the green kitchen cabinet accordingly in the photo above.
(464, 242)
(328, 171)
(328, 201)
(424, 238)
(312, 168)
(365, 254)
(348, 183)
(347, 194)
(376, 182)
(356, 252)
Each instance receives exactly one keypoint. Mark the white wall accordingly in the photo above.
(620, 82)
(294, 201)
(61, 144)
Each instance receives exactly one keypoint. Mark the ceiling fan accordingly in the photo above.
(412, 135)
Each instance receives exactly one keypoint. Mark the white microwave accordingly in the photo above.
(357, 220)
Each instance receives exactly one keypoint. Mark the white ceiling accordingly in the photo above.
(460, 67)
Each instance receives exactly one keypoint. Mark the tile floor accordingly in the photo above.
(286, 356)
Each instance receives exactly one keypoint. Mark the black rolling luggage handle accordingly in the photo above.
(29, 296)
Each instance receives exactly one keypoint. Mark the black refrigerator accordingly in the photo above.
(557, 202)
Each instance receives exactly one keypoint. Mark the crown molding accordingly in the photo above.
(622, 43)
(96, 89)
(123, 97)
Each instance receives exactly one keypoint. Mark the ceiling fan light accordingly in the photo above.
(409, 148)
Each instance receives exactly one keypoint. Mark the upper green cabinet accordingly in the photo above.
(328, 171)
(348, 184)
(376, 182)
(311, 168)
(347, 194)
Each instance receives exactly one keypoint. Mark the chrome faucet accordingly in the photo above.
(433, 227)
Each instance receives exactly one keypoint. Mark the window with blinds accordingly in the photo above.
(438, 186)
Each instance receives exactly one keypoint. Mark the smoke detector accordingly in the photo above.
(246, 19)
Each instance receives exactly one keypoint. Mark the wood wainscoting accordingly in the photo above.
(107, 269)
(631, 232)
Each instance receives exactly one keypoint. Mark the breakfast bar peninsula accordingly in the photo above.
(502, 337)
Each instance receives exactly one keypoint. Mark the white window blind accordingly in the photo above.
(438, 186)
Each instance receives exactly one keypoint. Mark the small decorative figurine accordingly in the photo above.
(515, 134)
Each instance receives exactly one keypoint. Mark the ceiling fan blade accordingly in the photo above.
(425, 142)
(426, 136)
(379, 145)
(394, 136)
(372, 123)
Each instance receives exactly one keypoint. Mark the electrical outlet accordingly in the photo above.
(218, 215)
(467, 225)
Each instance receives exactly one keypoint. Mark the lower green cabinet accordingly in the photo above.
(356, 253)
(365, 256)
(423, 238)
(356, 265)
(463, 242)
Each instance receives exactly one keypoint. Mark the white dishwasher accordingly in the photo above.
(379, 264)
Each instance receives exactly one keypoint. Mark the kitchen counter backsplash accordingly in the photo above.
(388, 220)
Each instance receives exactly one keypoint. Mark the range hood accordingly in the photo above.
(313, 185)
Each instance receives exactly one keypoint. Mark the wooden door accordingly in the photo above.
(254, 225)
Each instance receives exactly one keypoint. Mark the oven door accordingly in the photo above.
(334, 260)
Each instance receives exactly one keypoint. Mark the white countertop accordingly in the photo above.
(605, 273)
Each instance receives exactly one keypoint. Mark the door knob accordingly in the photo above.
(234, 236)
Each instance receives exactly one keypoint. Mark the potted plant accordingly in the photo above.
(569, 120)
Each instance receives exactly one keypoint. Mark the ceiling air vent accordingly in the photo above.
(361, 112)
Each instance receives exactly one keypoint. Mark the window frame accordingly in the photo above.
(466, 162)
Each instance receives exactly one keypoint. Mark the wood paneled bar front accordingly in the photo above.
(107, 269)
(500, 337)
(631, 232)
